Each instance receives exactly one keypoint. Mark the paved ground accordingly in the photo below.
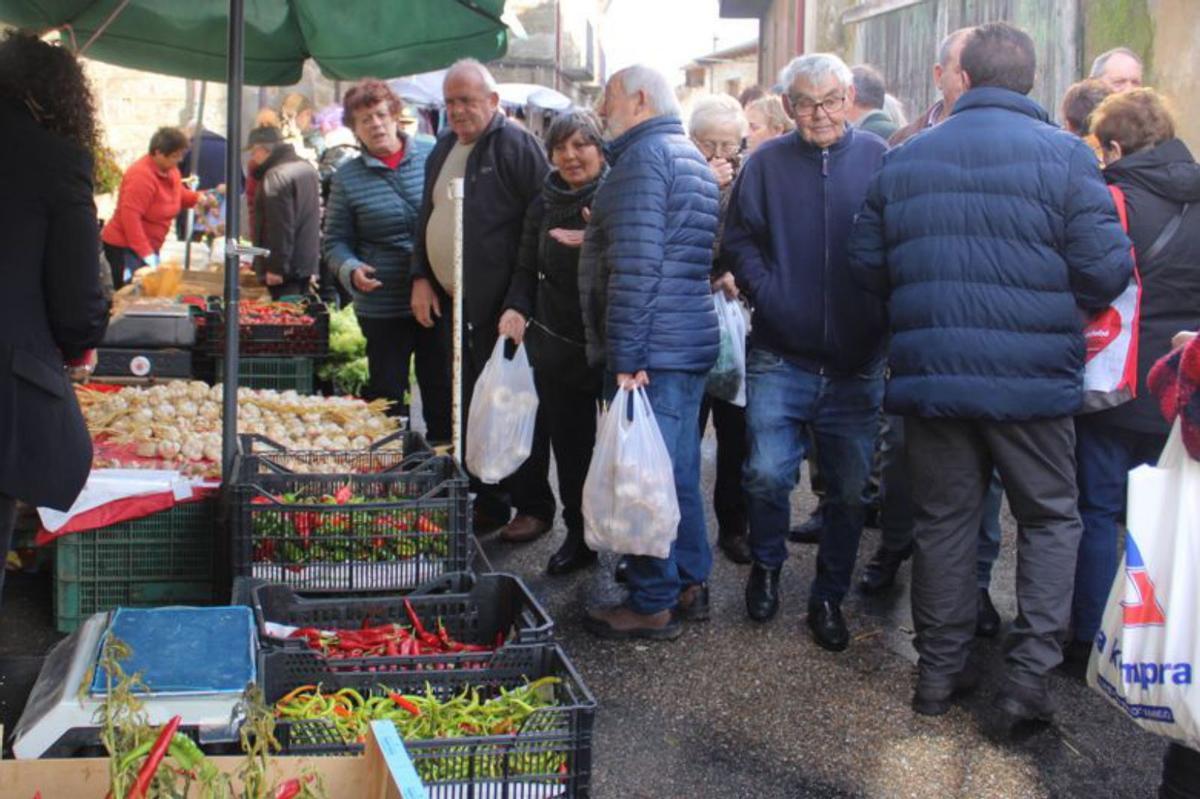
(739, 710)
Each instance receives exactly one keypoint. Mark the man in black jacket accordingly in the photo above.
(287, 214)
(503, 167)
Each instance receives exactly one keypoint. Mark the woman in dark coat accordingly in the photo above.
(1161, 184)
(52, 309)
(545, 294)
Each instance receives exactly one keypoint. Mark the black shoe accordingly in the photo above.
(987, 620)
(930, 700)
(809, 532)
(621, 573)
(880, 573)
(1022, 703)
(572, 556)
(485, 523)
(693, 603)
(762, 592)
(827, 625)
(736, 547)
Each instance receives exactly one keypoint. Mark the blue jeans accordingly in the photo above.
(785, 404)
(655, 583)
(1104, 456)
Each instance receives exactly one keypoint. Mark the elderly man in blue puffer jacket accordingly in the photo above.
(649, 318)
(987, 235)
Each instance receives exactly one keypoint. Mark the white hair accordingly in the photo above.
(718, 109)
(1101, 62)
(814, 68)
(474, 65)
(659, 94)
(895, 110)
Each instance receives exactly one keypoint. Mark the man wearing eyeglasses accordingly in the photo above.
(815, 363)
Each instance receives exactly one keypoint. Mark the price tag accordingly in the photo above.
(139, 366)
(404, 775)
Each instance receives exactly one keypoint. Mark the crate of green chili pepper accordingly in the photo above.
(349, 521)
(520, 728)
(463, 616)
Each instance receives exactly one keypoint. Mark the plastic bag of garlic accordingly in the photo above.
(178, 424)
(502, 415)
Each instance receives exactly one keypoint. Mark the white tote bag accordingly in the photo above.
(502, 416)
(1145, 656)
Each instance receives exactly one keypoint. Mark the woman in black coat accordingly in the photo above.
(52, 309)
(543, 308)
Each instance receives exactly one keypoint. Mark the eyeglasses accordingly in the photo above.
(804, 106)
(714, 149)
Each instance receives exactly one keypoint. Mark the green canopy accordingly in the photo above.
(187, 38)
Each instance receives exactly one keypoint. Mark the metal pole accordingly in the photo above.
(194, 169)
(457, 192)
(233, 171)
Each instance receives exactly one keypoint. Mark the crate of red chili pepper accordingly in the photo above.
(462, 618)
(520, 728)
(396, 524)
(270, 328)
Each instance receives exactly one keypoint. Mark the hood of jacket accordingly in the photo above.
(1167, 169)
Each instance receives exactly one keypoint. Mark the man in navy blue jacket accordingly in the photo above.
(815, 362)
(987, 234)
(648, 316)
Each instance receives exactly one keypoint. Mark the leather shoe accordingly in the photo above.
(736, 547)
(936, 700)
(523, 529)
(693, 603)
(482, 523)
(621, 573)
(987, 620)
(572, 556)
(809, 532)
(1022, 703)
(880, 573)
(762, 592)
(622, 623)
(827, 625)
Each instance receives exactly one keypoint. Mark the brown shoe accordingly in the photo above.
(622, 623)
(523, 529)
(693, 603)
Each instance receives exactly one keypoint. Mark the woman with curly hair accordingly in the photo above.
(52, 309)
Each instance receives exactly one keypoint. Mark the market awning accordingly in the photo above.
(379, 38)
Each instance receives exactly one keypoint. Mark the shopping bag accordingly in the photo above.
(1145, 655)
(1110, 366)
(629, 501)
(501, 418)
(727, 379)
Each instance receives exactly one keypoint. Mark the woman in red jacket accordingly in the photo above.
(152, 194)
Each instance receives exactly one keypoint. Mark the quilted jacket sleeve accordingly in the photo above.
(339, 230)
(867, 248)
(1096, 249)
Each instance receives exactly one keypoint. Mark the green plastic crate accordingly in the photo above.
(280, 374)
(168, 558)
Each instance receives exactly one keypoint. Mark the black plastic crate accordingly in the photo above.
(484, 610)
(408, 523)
(141, 362)
(261, 455)
(272, 340)
(549, 756)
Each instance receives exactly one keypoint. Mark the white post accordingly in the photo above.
(457, 191)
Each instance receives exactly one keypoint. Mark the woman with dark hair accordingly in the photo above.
(545, 293)
(152, 195)
(52, 309)
(370, 224)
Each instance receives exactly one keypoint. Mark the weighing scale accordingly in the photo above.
(195, 662)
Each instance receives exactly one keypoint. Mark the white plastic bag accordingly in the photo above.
(1145, 656)
(502, 416)
(727, 379)
(629, 501)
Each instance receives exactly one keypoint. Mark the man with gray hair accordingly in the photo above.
(815, 363)
(649, 318)
(1119, 68)
(870, 95)
(504, 167)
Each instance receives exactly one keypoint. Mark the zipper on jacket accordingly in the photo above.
(825, 243)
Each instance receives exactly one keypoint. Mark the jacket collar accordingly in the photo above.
(375, 163)
(813, 151)
(993, 97)
(660, 125)
(555, 191)
(280, 154)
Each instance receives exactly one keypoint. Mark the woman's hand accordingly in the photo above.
(364, 280)
(1182, 338)
(722, 170)
(567, 238)
(272, 279)
(727, 284)
(512, 325)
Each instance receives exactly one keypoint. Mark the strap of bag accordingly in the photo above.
(1167, 234)
(1119, 201)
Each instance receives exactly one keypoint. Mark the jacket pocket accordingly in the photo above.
(37, 372)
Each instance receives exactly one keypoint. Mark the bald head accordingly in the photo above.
(469, 91)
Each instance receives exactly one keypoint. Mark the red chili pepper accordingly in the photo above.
(418, 627)
(291, 788)
(404, 703)
(145, 774)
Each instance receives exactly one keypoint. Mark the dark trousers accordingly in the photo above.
(121, 259)
(1181, 773)
(950, 462)
(391, 344)
(729, 498)
(8, 518)
(566, 423)
(1105, 455)
(291, 287)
